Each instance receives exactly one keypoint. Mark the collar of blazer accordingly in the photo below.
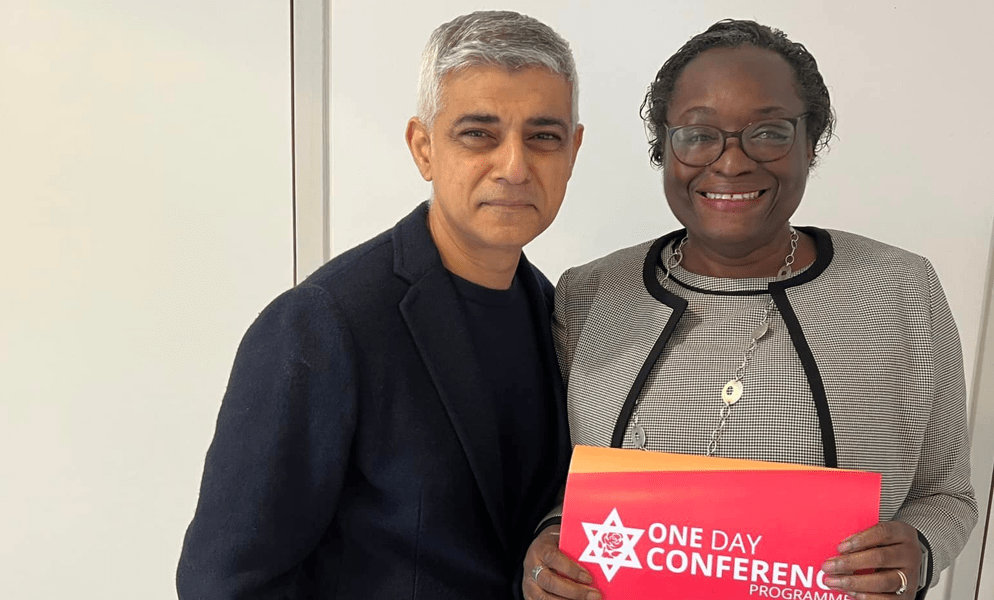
(653, 259)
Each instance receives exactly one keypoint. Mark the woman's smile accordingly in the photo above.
(732, 195)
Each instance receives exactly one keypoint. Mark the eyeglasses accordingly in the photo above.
(762, 141)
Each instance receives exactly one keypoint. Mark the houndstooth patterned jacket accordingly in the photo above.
(862, 370)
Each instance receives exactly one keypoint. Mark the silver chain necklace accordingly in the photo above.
(731, 391)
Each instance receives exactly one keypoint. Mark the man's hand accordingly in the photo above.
(882, 551)
(558, 577)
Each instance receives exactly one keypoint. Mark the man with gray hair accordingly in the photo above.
(395, 426)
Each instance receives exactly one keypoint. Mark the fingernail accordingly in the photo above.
(832, 581)
(845, 546)
(830, 566)
(593, 595)
(585, 577)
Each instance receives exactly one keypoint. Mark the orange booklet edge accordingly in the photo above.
(591, 459)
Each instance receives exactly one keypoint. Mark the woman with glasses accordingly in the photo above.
(743, 336)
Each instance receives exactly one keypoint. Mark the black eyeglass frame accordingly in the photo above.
(735, 134)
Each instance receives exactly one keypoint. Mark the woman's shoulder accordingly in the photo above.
(624, 261)
(855, 250)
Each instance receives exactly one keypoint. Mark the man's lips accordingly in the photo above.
(507, 203)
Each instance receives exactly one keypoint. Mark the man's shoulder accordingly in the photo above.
(356, 267)
(387, 262)
(333, 295)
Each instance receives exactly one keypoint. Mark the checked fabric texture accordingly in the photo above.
(865, 330)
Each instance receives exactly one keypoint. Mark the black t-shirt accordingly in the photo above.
(503, 329)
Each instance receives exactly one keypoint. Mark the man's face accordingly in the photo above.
(498, 155)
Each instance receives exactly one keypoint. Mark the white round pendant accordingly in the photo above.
(732, 391)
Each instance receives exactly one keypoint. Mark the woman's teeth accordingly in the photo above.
(748, 196)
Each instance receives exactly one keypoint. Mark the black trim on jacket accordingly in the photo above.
(778, 290)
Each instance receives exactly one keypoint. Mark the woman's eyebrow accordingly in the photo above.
(707, 110)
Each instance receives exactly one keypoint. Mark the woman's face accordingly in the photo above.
(730, 88)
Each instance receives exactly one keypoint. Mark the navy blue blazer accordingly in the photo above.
(353, 456)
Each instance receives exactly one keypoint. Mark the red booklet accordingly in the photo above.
(651, 525)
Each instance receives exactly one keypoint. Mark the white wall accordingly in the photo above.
(145, 219)
(981, 544)
(909, 82)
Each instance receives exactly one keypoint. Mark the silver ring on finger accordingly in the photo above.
(536, 571)
(904, 583)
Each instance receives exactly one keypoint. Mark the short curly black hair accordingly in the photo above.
(731, 33)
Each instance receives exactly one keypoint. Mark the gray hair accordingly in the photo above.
(494, 38)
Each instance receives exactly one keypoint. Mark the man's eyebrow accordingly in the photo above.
(480, 118)
(547, 122)
(488, 119)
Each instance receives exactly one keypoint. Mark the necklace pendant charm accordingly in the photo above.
(732, 391)
(785, 272)
(639, 437)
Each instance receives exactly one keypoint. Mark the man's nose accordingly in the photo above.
(512, 164)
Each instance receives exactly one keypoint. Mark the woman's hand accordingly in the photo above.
(883, 550)
(558, 577)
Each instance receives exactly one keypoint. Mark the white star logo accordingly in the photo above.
(611, 545)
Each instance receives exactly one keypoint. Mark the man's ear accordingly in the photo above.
(577, 141)
(419, 143)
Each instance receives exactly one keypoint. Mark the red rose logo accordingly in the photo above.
(610, 544)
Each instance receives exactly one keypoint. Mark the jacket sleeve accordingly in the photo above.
(563, 337)
(941, 503)
(274, 471)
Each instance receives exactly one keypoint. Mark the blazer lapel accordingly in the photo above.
(542, 307)
(437, 323)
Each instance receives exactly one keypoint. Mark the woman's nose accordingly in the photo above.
(733, 159)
